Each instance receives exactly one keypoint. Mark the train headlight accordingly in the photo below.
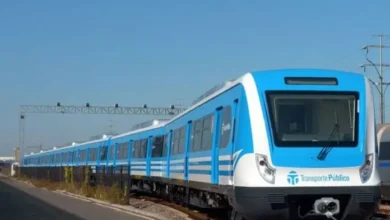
(265, 169)
(366, 169)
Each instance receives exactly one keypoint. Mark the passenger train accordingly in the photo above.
(284, 144)
(384, 158)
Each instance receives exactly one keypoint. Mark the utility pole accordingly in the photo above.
(378, 85)
(110, 127)
(16, 151)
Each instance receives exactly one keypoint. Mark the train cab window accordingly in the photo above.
(310, 118)
(225, 126)
(157, 146)
(103, 153)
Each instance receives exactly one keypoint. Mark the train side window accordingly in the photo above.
(74, 156)
(93, 154)
(82, 155)
(136, 145)
(225, 126)
(103, 153)
(157, 146)
(144, 144)
(207, 132)
(112, 150)
(90, 155)
(119, 150)
(196, 135)
(165, 148)
(175, 142)
(126, 150)
(123, 150)
(181, 140)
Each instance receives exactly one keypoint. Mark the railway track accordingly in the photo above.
(192, 212)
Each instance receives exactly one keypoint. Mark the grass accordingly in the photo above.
(113, 194)
(6, 171)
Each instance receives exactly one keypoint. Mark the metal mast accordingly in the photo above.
(379, 85)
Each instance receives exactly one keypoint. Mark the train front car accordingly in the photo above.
(306, 146)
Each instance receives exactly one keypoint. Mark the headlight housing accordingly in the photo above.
(265, 170)
(366, 169)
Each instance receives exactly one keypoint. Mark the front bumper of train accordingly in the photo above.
(356, 202)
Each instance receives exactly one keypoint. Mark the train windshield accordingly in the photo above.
(313, 119)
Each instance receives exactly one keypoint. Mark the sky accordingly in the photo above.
(161, 53)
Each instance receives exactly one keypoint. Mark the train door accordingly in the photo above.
(225, 136)
(129, 156)
(149, 155)
(187, 150)
(168, 153)
(215, 148)
(177, 155)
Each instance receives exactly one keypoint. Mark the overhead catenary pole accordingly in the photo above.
(379, 85)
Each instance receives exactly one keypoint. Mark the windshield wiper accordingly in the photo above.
(325, 150)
